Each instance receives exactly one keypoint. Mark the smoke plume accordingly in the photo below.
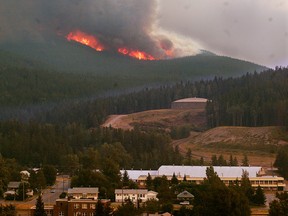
(129, 23)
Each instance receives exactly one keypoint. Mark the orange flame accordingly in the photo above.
(94, 43)
(136, 54)
(85, 39)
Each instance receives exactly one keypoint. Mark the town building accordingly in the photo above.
(189, 103)
(197, 174)
(83, 193)
(12, 189)
(75, 207)
(142, 195)
(185, 197)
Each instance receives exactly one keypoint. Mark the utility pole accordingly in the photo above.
(63, 182)
(23, 191)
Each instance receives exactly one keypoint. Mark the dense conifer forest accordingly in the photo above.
(257, 99)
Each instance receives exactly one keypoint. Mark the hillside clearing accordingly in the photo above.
(260, 144)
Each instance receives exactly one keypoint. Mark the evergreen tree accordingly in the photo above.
(212, 177)
(216, 199)
(174, 180)
(235, 162)
(22, 191)
(127, 209)
(149, 182)
(41, 181)
(189, 156)
(39, 211)
(201, 161)
(281, 162)
(152, 206)
(222, 161)
(7, 210)
(99, 211)
(245, 161)
(50, 173)
(214, 160)
(231, 161)
(280, 206)
(259, 196)
(125, 179)
(246, 186)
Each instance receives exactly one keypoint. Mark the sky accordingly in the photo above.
(252, 30)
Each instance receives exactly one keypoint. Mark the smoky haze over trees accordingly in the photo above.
(116, 24)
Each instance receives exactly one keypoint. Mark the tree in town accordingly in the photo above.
(39, 210)
(7, 210)
(212, 178)
(125, 179)
(164, 193)
(246, 186)
(215, 199)
(102, 209)
(184, 211)
(281, 162)
(152, 206)
(259, 197)
(22, 191)
(127, 209)
(99, 211)
(174, 180)
(50, 173)
(279, 206)
(41, 180)
(167, 207)
(149, 182)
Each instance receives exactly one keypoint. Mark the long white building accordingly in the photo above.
(197, 174)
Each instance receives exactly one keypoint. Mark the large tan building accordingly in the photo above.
(189, 103)
(197, 174)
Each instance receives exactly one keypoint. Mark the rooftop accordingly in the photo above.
(202, 100)
(200, 171)
(131, 191)
(14, 184)
(83, 190)
(134, 174)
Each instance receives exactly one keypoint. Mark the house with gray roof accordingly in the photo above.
(83, 193)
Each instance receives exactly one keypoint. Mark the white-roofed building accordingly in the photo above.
(134, 174)
(189, 103)
(200, 171)
(197, 174)
(83, 193)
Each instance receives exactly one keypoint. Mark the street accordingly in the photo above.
(49, 195)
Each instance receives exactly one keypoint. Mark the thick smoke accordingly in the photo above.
(130, 23)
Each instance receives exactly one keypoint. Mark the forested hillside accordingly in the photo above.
(257, 99)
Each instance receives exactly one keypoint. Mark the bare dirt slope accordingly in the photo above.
(258, 143)
(158, 119)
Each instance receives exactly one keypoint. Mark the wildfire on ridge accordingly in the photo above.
(136, 54)
(94, 43)
(85, 39)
